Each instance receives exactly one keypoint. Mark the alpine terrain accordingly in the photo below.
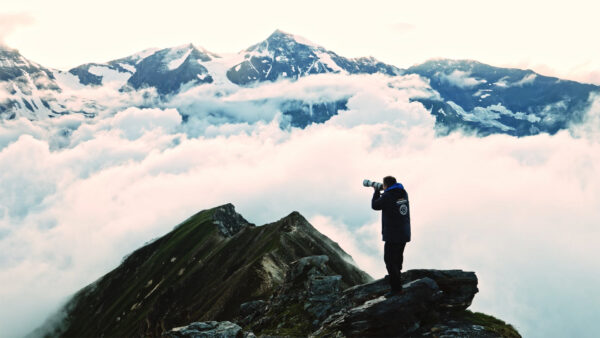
(216, 275)
(462, 94)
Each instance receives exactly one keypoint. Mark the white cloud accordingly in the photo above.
(520, 212)
(363, 244)
(134, 122)
(461, 79)
(589, 127)
(527, 79)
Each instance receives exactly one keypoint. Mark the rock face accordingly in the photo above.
(311, 303)
(217, 275)
(395, 316)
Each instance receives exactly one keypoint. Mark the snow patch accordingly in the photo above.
(176, 57)
(528, 79)
(128, 67)
(502, 82)
(461, 79)
(302, 40)
(485, 116)
(110, 76)
(217, 68)
(66, 80)
(326, 60)
(138, 57)
(490, 114)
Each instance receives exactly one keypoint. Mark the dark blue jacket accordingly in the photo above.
(395, 213)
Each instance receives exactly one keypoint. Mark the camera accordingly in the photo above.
(376, 185)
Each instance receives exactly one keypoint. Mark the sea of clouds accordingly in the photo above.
(78, 194)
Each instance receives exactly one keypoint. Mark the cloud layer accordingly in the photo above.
(80, 194)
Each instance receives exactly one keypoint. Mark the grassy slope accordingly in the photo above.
(197, 274)
(490, 323)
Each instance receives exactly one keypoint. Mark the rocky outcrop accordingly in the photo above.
(394, 316)
(210, 329)
(310, 303)
(228, 221)
(458, 287)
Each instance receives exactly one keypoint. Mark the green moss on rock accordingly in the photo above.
(490, 323)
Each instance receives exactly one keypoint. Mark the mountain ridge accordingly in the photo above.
(201, 263)
(280, 278)
(470, 95)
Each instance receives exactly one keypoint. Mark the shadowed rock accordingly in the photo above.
(310, 303)
(394, 316)
(459, 288)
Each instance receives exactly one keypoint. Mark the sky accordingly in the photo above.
(553, 38)
(520, 212)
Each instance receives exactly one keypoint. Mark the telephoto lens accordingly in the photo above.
(376, 185)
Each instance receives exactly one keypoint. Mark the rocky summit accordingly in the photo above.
(217, 275)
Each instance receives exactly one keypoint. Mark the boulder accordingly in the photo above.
(211, 329)
(459, 288)
(395, 316)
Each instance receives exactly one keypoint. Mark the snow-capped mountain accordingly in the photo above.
(26, 88)
(166, 69)
(467, 94)
(284, 55)
(501, 100)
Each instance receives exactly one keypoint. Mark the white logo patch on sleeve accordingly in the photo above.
(403, 206)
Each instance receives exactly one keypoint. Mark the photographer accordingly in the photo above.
(395, 227)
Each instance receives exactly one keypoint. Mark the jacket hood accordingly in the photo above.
(395, 186)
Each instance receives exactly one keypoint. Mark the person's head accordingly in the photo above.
(388, 181)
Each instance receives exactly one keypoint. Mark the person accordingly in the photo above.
(395, 228)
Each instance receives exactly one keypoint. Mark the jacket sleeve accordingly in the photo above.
(377, 203)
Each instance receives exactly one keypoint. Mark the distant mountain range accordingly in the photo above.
(469, 95)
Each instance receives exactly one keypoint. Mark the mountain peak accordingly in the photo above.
(278, 32)
(10, 57)
(279, 35)
(228, 220)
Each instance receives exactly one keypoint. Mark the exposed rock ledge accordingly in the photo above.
(310, 303)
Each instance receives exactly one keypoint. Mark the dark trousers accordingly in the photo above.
(393, 255)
